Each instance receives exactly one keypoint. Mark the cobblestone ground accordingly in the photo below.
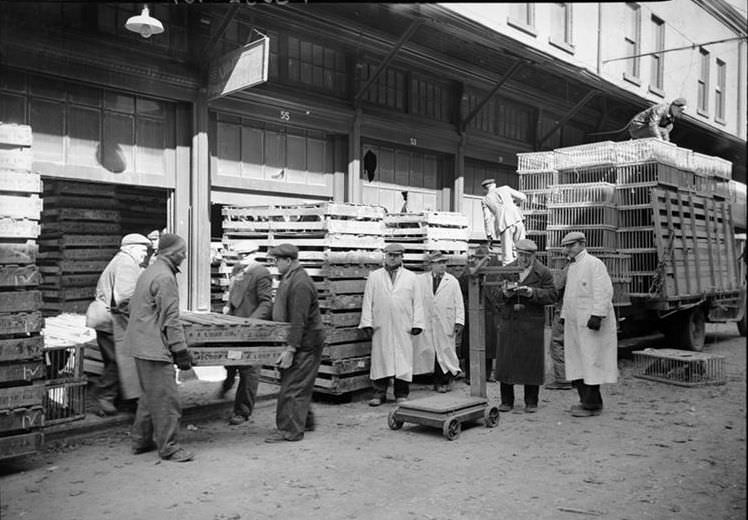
(658, 451)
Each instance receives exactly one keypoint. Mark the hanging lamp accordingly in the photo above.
(144, 24)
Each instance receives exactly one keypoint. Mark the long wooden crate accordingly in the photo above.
(19, 445)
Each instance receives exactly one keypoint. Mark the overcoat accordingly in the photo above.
(392, 310)
(442, 310)
(591, 355)
(520, 355)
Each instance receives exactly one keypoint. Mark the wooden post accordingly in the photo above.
(477, 354)
(459, 181)
(354, 159)
(198, 245)
(178, 205)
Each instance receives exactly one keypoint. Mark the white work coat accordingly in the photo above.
(392, 310)
(441, 311)
(500, 211)
(591, 355)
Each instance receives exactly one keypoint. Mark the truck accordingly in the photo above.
(662, 219)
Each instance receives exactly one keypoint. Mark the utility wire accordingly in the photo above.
(692, 46)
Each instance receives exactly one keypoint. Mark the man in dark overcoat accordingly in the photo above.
(296, 302)
(520, 356)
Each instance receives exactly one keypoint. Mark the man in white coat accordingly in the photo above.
(502, 218)
(590, 342)
(444, 311)
(391, 314)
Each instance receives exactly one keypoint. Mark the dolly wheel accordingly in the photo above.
(491, 417)
(452, 429)
(393, 422)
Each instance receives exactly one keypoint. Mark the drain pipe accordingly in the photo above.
(599, 38)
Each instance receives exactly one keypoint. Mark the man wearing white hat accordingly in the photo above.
(590, 342)
(435, 350)
(391, 314)
(114, 289)
(502, 218)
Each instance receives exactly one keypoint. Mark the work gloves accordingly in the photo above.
(594, 322)
(183, 359)
(369, 331)
(458, 328)
(415, 331)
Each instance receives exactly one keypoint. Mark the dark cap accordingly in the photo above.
(169, 243)
(395, 249)
(285, 251)
(679, 102)
(526, 245)
(572, 237)
(486, 182)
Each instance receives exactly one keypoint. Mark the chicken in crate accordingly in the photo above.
(680, 367)
(65, 397)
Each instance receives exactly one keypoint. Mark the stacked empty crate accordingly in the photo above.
(80, 233)
(21, 359)
(428, 232)
(537, 173)
(339, 244)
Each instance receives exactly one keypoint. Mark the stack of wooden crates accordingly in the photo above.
(339, 244)
(22, 372)
(427, 232)
(80, 233)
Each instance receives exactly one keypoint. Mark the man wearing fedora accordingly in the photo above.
(590, 342)
(502, 218)
(444, 312)
(656, 121)
(520, 356)
(114, 290)
(391, 314)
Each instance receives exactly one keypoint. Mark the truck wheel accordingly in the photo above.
(693, 330)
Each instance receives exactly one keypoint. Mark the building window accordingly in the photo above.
(656, 81)
(316, 66)
(561, 35)
(522, 16)
(430, 98)
(632, 41)
(389, 89)
(719, 92)
(703, 84)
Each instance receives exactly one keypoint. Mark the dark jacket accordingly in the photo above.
(544, 290)
(656, 121)
(155, 332)
(251, 296)
(296, 303)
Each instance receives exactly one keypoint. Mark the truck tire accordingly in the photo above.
(693, 330)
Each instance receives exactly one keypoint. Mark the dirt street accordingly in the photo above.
(658, 451)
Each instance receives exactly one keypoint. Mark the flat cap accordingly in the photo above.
(572, 237)
(395, 249)
(527, 245)
(486, 182)
(135, 239)
(284, 251)
(437, 256)
(679, 102)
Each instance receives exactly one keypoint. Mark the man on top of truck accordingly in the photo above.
(656, 121)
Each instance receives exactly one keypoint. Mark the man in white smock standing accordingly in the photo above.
(444, 312)
(502, 218)
(590, 341)
(391, 314)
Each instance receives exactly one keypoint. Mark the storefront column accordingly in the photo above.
(459, 184)
(199, 239)
(178, 207)
(354, 160)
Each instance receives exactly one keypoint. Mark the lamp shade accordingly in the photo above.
(144, 24)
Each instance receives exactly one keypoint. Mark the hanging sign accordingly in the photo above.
(242, 68)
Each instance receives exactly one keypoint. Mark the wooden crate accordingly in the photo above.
(21, 419)
(209, 328)
(680, 367)
(64, 401)
(22, 396)
(222, 355)
(19, 445)
(21, 348)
